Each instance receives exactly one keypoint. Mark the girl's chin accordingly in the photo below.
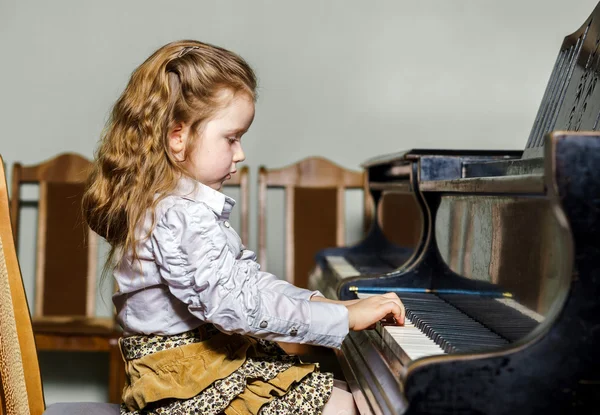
(219, 185)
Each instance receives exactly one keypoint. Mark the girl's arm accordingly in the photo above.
(199, 269)
(269, 281)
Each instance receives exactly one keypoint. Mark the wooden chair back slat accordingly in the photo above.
(314, 211)
(61, 220)
(240, 180)
(316, 225)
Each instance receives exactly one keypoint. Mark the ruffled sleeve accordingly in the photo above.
(269, 281)
(196, 264)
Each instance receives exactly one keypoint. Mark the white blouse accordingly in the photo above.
(193, 269)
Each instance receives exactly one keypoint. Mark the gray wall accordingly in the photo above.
(343, 79)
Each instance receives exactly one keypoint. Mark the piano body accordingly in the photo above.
(503, 289)
(391, 179)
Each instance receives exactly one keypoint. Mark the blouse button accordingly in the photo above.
(227, 225)
(263, 324)
(293, 331)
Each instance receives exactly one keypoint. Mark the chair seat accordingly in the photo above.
(82, 408)
(77, 325)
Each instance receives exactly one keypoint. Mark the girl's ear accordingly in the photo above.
(178, 140)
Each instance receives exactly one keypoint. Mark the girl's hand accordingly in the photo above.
(364, 313)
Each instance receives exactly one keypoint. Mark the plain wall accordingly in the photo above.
(346, 80)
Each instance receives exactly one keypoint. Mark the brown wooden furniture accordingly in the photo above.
(241, 180)
(21, 386)
(66, 265)
(314, 211)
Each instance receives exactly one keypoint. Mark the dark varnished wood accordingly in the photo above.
(557, 369)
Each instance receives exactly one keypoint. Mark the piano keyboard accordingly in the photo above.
(509, 319)
(411, 339)
(408, 339)
(433, 326)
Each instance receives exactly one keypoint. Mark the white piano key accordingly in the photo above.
(413, 341)
(361, 295)
(521, 308)
(410, 338)
(342, 267)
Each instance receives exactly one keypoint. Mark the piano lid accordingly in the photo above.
(404, 157)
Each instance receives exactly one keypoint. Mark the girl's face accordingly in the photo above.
(213, 157)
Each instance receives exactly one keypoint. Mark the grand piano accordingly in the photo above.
(502, 291)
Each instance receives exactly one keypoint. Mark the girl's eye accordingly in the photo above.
(232, 140)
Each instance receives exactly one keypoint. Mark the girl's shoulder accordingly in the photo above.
(182, 209)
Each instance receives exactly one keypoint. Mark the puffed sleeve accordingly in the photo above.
(269, 281)
(198, 267)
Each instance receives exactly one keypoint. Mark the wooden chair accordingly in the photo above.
(314, 219)
(21, 386)
(240, 181)
(66, 265)
(314, 211)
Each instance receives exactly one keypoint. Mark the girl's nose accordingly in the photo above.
(239, 155)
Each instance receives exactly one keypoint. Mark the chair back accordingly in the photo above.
(65, 270)
(314, 211)
(21, 391)
(240, 180)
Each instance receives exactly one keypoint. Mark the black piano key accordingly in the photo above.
(447, 326)
(509, 323)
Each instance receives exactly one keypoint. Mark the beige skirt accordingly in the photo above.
(204, 371)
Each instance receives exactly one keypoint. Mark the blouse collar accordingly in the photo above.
(194, 190)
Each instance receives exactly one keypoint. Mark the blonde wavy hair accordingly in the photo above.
(179, 83)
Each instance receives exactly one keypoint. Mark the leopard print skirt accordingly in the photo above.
(244, 390)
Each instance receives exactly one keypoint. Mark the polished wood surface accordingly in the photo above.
(22, 319)
(66, 265)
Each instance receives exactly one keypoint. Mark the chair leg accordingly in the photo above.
(116, 380)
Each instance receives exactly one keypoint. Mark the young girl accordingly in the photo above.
(199, 317)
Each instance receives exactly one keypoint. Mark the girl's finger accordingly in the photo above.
(397, 310)
(395, 301)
